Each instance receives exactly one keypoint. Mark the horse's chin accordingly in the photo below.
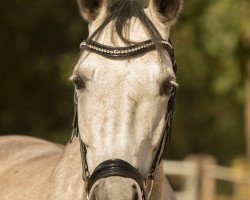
(114, 188)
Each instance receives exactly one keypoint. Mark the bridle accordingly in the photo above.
(118, 167)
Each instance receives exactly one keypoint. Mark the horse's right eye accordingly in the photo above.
(79, 83)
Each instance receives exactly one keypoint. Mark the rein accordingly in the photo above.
(118, 167)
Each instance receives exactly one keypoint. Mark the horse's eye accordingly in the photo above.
(79, 83)
(166, 88)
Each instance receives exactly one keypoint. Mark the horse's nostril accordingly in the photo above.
(135, 194)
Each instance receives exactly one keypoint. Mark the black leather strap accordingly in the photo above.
(116, 167)
(75, 131)
(124, 52)
(165, 137)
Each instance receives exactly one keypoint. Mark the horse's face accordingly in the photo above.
(121, 107)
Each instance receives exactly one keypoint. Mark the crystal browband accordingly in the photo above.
(123, 52)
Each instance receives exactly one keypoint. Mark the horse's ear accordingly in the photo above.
(169, 10)
(90, 9)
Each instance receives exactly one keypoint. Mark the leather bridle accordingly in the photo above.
(118, 167)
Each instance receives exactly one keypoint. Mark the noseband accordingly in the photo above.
(118, 167)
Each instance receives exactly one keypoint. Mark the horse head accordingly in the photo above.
(125, 78)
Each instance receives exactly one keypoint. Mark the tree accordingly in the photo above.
(39, 44)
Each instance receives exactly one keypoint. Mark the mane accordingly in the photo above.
(120, 14)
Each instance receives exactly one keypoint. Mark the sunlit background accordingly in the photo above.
(39, 45)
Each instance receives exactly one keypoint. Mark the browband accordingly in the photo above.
(124, 52)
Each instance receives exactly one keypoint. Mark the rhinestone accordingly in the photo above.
(111, 52)
(108, 51)
(83, 44)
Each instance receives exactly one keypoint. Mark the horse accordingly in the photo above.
(125, 82)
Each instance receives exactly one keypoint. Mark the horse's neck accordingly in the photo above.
(67, 179)
(162, 190)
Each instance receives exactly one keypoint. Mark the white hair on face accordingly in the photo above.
(174, 83)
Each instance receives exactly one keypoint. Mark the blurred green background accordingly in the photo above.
(39, 45)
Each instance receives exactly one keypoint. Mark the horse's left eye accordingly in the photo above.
(79, 83)
(166, 88)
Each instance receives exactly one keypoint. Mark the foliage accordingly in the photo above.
(211, 40)
(38, 49)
